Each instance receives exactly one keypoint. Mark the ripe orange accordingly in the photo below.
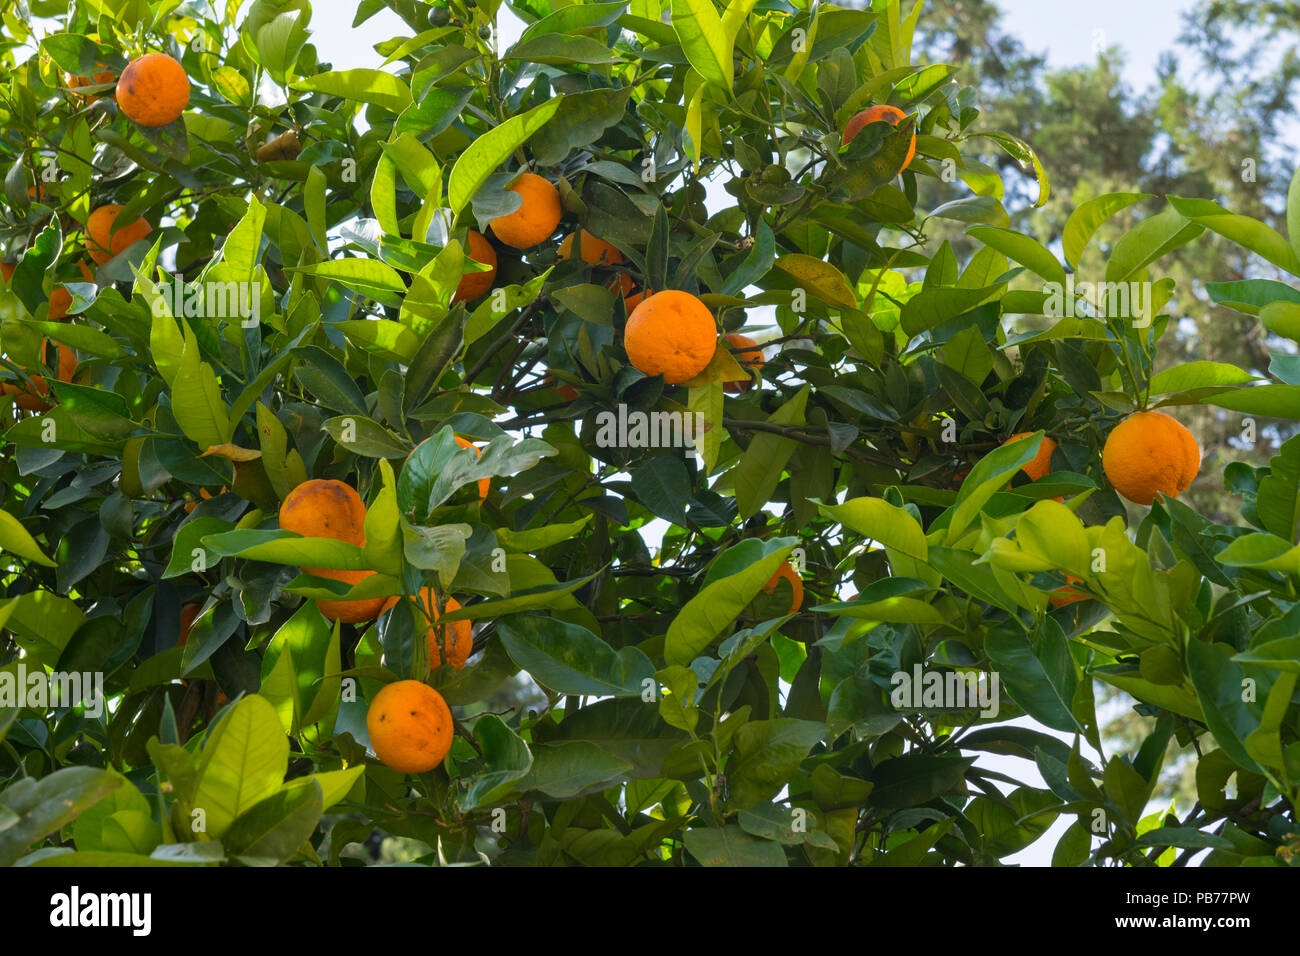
(1042, 462)
(671, 333)
(349, 612)
(1149, 453)
(750, 357)
(484, 484)
(188, 613)
(410, 726)
(632, 296)
(98, 79)
(535, 219)
(594, 251)
(474, 284)
(1068, 595)
(32, 399)
(325, 508)
(7, 270)
(458, 636)
(61, 298)
(786, 571)
(204, 495)
(60, 303)
(877, 114)
(102, 242)
(153, 90)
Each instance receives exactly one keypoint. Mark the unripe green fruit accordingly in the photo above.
(485, 32)
(440, 16)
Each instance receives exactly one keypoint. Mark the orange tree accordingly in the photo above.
(691, 608)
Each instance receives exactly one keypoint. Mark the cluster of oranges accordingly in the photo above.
(153, 91)
(410, 724)
(669, 333)
(1145, 455)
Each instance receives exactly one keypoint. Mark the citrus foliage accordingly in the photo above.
(690, 704)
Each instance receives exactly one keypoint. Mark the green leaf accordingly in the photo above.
(1282, 654)
(488, 151)
(895, 528)
(821, 278)
(1218, 682)
(1087, 217)
(376, 87)
(719, 603)
(767, 755)
(570, 19)
(506, 758)
(557, 50)
(565, 770)
(912, 780)
(365, 437)
(699, 28)
(731, 846)
(1197, 375)
(572, 660)
(275, 829)
(370, 277)
(196, 398)
(1029, 252)
(1039, 676)
(42, 806)
(1254, 235)
(286, 547)
(244, 759)
(15, 539)
(759, 470)
(1273, 401)
(1147, 241)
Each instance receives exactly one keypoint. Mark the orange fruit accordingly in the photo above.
(878, 114)
(786, 571)
(594, 251)
(1068, 595)
(410, 726)
(325, 508)
(188, 614)
(349, 612)
(671, 333)
(153, 90)
(102, 242)
(750, 357)
(1149, 453)
(535, 219)
(484, 484)
(632, 297)
(60, 303)
(98, 79)
(205, 495)
(474, 284)
(567, 392)
(1042, 462)
(458, 636)
(7, 270)
(65, 365)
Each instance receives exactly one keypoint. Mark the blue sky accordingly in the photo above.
(1065, 31)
